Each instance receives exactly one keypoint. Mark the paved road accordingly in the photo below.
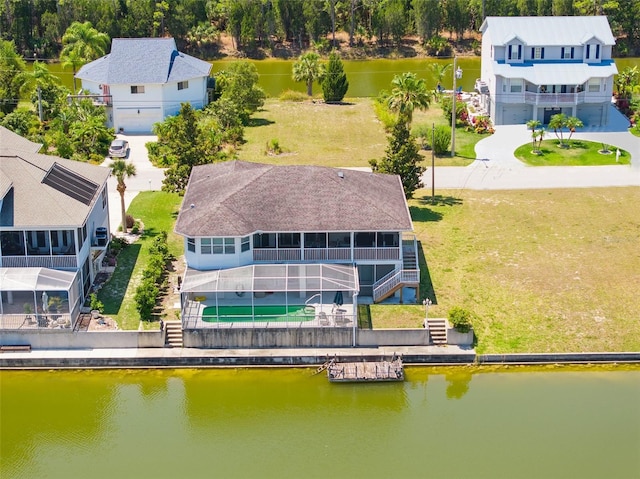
(495, 169)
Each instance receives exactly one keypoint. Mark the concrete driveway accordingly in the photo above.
(496, 168)
(148, 177)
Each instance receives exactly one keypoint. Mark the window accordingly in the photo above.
(229, 246)
(288, 240)
(593, 51)
(183, 85)
(388, 240)
(537, 53)
(339, 240)
(245, 244)
(104, 198)
(566, 53)
(516, 85)
(594, 85)
(205, 246)
(191, 244)
(264, 240)
(515, 52)
(365, 240)
(315, 240)
(137, 89)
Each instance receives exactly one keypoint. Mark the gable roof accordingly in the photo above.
(237, 198)
(556, 73)
(46, 191)
(9, 139)
(551, 31)
(143, 61)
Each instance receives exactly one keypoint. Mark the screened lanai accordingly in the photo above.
(271, 295)
(38, 298)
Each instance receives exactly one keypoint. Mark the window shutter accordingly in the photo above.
(562, 53)
(572, 53)
(542, 53)
(509, 52)
(588, 50)
(519, 52)
(597, 51)
(533, 53)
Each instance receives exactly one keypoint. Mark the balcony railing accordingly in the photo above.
(325, 254)
(551, 99)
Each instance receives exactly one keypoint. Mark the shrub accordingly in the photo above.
(386, 116)
(460, 319)
(135, 228)
(442, 139)
(461, 109)
(292, 95)
(129, 221)
(95, 303)
(273, 147)
(145, 298)
(438, 46)
(423, 133)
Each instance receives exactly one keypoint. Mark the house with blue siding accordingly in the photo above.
(536, 67)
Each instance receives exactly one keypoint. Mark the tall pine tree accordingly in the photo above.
(335, 83)
(402, 158)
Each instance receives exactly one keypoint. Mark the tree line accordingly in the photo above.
(37, 26)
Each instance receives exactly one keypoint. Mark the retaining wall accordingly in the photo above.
(268, 338)
(65, 339)
(392, 337)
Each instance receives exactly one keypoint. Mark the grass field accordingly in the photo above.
(346, 135)
(541, 270)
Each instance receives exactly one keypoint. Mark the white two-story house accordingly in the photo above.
(254, 231)
(536, 67)
(54, 223)
(144, 80)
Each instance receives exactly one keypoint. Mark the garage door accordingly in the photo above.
(516, 114)
(590, 114)
(137, 120)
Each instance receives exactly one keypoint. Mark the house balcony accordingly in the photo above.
(551, 99)
(286, 255)
(40, 261)
(98, 100)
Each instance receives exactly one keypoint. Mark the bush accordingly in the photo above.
(442, 139)
(273, 147)
(423, 133)
(460, 319)
(292, 95)
(386, 116)
(145, 298)
(95, 303)
(461, 109)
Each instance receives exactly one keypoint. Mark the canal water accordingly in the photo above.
(279, 423)
(366, 77)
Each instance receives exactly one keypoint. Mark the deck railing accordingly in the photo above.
(326, 254)
(394, 279)
(53, 262)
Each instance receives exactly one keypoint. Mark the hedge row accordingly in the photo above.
(153, 277)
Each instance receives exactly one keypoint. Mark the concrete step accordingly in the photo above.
(173, 336)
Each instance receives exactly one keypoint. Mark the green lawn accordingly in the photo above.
(347, 135)
(158, 211)
(577, 153)
(542, 270)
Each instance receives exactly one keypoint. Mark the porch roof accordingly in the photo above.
(273, 278)
(556, 73)
(35, 279)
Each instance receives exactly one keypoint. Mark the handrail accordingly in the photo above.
(319, 295)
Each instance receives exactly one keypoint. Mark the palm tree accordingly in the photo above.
(572, 123)
(72, 59)
(439, 70)
(122, 170)
(533, 125)
(87, 43)
(408, 93)
(37, 77)
(308, 69)
(558, 122)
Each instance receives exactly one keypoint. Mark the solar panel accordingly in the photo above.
(70, 183)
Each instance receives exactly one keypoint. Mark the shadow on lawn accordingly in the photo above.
(112, 294)
(426, 284)
(423, 214)
(259, 122)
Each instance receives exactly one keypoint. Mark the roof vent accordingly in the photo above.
(340, 174)
(192, 206)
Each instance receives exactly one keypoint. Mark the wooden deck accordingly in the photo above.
(376, 371)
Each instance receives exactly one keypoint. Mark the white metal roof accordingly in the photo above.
(273, 278)
(548, 30)
(35, 279)
(555, 73)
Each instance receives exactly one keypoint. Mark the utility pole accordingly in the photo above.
(433, 163)
(40, 103)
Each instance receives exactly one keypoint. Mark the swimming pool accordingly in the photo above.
(271, 312)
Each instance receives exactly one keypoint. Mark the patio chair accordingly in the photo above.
(323, 318)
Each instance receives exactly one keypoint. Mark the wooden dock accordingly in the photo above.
(375, 371)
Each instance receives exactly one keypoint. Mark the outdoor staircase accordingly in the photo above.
(437, 330)
(408, 276)
(173, 338)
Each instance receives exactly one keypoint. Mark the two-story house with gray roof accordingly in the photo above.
(54, 223)
(536, 67)
(144, 80)
(291, 244)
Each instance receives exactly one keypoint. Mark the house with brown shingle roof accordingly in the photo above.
(54, 219)
(303, 227)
